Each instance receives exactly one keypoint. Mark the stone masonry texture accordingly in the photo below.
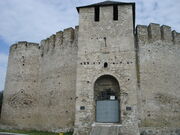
(54, 85)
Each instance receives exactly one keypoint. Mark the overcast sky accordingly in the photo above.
(34, 20)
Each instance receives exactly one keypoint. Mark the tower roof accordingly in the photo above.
(107, 3)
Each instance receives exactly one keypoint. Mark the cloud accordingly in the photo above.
(164, 13)
(3, 67)
(34, 20)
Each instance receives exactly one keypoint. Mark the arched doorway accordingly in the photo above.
(107, 98)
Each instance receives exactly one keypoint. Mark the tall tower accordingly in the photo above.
(106, 68)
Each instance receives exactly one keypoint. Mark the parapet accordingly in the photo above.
(176, 37)
(76, 33)
(166, 33)
(65, 38)
(68, 35)
(23, 45)
(142, 33)
(52, 40)
(155, 32)
(60, 39)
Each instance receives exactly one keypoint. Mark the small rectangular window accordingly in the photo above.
(82, 108)
(96, 13)
(128, 108)
(115, 12)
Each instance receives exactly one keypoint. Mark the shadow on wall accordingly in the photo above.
(1, 99)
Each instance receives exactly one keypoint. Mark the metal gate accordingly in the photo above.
(107, 111)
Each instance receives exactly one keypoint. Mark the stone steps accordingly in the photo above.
(105, 129)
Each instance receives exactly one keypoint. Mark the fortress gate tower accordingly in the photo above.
(106, 75)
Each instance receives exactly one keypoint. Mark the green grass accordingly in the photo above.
(33, 132)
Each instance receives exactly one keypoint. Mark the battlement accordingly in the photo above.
(66, 36)
(60, 39)
(176, 37)
(23, 45)
(54, 85)
(155, 32)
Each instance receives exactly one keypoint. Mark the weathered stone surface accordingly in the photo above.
(54, 86)
(159, 87)
(110, 42)
(40, 85)
(159, 131)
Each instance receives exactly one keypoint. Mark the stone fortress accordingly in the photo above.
(106, 76)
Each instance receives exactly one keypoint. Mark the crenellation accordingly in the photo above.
(46, 46)
(176, 37)
(154, 32)
(56, 85)
(68, 35)
(52, 40)
(142, 34)
(59, 38)
(22, 42)
(76, 33)
(23, 45)
(31, 44)
(166, 34)
(13, 47)
(42, 43)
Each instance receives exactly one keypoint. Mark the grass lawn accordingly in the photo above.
(32, 132)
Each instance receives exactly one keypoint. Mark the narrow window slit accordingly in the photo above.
(115, 12)
(96, 15)
(82, 108)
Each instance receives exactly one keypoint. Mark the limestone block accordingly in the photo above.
(176, 37)
(46, 45)
(142, 34)
(68, 35)
(154, 32)
(52, 41)
(21, 44)
(13, 47)
(59, 38)
(166, 33)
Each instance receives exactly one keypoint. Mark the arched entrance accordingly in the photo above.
(107, 97)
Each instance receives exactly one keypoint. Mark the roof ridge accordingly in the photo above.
(106, 3)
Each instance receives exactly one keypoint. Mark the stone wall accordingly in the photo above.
(48, 84)
(40, 84)
(58, 80)
(111, 42)
(159, 131)
(159, 76)
(20, 102)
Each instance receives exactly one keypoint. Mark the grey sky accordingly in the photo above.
(34, 20)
